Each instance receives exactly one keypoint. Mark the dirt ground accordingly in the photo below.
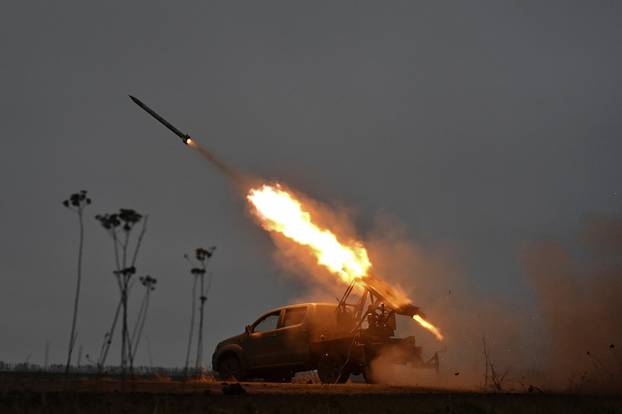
(26, 395)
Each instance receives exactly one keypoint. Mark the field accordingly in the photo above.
(41, 394)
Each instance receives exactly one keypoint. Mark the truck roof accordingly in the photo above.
(298, 305)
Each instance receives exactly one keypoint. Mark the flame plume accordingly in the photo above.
(279, 211)
(427, 325)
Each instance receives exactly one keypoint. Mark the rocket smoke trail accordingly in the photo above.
(233, 174)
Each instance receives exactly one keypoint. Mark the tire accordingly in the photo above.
(330, 369)
(230, 368)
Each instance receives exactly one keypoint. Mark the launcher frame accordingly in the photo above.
(379, 313)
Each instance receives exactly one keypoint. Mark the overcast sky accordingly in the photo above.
(479, 125)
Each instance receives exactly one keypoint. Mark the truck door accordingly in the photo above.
(263, 344)
(294, 334)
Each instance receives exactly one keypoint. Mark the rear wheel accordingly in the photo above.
(331, 370)
(229, 368)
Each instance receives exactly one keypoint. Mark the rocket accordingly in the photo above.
(185, 138)
(236, 176)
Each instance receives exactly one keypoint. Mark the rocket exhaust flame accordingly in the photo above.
(427, 325)
(279, 211)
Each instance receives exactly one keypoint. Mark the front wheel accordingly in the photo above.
(229, 368)
(332, 370)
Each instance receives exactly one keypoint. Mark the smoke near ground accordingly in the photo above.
(580, 300)
(434, 279)
(570, 339)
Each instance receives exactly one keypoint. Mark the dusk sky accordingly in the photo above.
(478, 126)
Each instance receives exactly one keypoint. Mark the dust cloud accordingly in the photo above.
(568, 340)
(580, 298)
(434, 280)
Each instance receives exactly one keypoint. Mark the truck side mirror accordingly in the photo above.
(248, 329)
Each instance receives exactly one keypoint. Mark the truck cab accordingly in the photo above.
(279, 342)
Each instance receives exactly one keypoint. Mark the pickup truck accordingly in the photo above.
(312, 336)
